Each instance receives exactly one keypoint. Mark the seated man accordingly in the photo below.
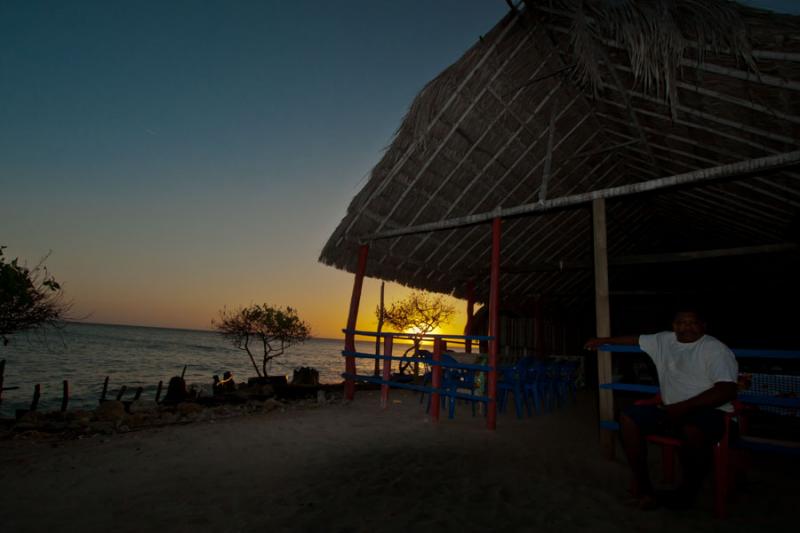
(697, 375)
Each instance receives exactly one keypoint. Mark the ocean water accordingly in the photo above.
(84, 354)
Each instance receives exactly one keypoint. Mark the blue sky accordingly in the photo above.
(179, 156)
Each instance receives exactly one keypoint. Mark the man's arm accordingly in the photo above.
(592, 344)
(721, 393)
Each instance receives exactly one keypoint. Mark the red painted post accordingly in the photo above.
(387, 370)
(494, 322)
(436, 381)
(470, 316)
(349, 337)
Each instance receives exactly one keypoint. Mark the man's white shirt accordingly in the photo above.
(685, 369)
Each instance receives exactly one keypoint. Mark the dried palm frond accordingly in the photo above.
(655, 34)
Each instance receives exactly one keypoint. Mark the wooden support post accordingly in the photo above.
(603, 320)
(65, 396)
(37, 392)
(538, 328)
(352, 317)
(470, 316)
(494, 323)
(121, 392)
(105, 389)
(138, 393)
(381, 312)
(436, 378)
(158, 390)
(387, 370)
(2, 375)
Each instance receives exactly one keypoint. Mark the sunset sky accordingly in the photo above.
(180, 156)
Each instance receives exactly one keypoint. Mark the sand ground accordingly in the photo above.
(352, 467)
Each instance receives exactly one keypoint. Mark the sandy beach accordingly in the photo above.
(352, 467)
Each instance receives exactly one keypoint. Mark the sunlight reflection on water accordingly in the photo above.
(84, 354)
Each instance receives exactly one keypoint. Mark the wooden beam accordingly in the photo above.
(603, 319)
(732, 170)
(548, 160)
(702, 115)
(602, 150)
(703, 254)
(755, 77)
(643, 259)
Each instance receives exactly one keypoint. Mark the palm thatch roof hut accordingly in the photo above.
(554, 103)
(674, 124)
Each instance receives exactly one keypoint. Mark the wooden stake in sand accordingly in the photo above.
(138, 393)
(37, 392)
(65, 396)
(121, 392)
(2, 377)
(158, 390)
(105, 390)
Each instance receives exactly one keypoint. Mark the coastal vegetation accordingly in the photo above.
(262, 330)
(419, 313)
(29, 298)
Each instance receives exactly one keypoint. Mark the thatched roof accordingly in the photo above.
(568, 79)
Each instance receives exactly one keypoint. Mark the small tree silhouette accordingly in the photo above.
(271, 329)
(419, 313)
(29, 298)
